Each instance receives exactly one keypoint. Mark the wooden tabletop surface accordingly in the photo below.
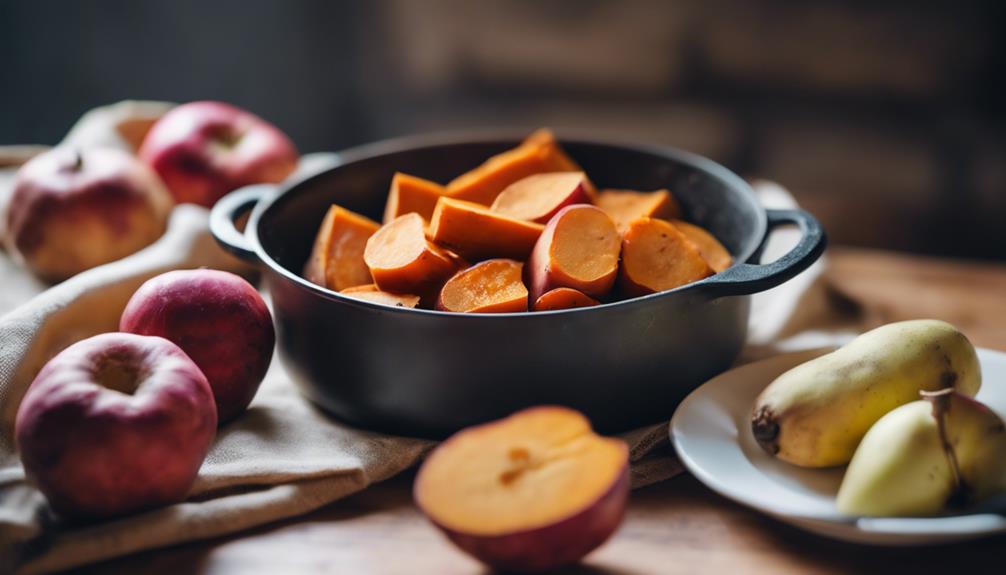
(677, 526)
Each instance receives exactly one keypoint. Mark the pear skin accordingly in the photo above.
(977, 438)
(816, 414)
(900, 467)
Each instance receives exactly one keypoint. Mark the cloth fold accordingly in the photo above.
(283, 457)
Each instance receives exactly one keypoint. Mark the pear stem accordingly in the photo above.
(940, 400)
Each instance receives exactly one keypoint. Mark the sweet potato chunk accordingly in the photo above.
(492, 286)
(412, 194)
(537, 198)
(539, 153)
(563, 298)
(475, 232)
(402, 260)
(578, 249)
(336, 261)
(627, 206)
(657, 257)
(711, 249)
(371, 292)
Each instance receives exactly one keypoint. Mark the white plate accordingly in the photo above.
(711, 432)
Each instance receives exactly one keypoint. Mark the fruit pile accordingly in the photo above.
(539, 234)
(131, 415)
(861, 406)
(73, 209)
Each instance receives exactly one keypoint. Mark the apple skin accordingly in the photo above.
(219, 320)
(96, 452)
(546, 548)
(203, 150)
(71, 210)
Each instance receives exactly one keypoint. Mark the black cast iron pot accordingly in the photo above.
(429, 373)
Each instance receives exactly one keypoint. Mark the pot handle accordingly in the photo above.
(226, 212)
(745, 278)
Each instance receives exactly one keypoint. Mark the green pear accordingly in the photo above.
(815, 414)
(926, 457)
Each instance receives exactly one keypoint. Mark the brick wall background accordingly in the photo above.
(886, 119)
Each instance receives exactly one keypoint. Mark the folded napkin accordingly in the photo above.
(283, 457)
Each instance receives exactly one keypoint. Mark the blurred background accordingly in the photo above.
(884, 118)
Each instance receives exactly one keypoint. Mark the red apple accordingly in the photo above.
(114, 424)
(219, 320)
(202, 150)
(530, 492)
(71, 210)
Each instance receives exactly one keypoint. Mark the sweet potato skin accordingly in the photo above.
(336, 260)
(476, 233)
(538, 197)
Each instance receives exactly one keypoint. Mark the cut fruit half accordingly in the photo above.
(336, 261)
(578, 249)
(476, 233)
(711, 249)
(532, 491)
(537, 198)
(657, 257)
(627, 206)
(402, 260)
(371, 292)
(411, 194)
(492, 286)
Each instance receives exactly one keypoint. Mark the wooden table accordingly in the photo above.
(677, 526)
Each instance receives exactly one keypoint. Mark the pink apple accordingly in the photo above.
(219, 320)
(202, 150)
(114, 424)
(72, 209)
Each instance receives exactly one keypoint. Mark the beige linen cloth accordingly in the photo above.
(283, 457)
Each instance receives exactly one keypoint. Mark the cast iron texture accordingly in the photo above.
(430, 373)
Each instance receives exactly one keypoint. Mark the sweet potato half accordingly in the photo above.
(578, 249)
(656, 256)
(411, 194)
(402, 260)
(371, 292)
(476, 232)
(336, 261)
(492, 286)
(627, 206)
(539, 197)
(711, 249)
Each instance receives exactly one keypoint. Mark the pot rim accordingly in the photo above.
(496, 136)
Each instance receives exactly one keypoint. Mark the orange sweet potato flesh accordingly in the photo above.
(402, 260)
(336, 260)
(412, 194)
(579, 249)
(539, 153)
(492, 286)
(537, 198)
(627, 206)
(371, 292)
(532, 469)
(476, 233)
(711, 249)
(656, 256)
(563, 298)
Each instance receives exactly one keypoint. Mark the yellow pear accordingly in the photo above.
(925, 457)
(815, 414)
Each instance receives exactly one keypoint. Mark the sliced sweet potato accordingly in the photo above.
(537, 198)
(336, 260)
(492, 286)
(578, 249)
(371, 292)
(627, 206)
(412, 194)
(402, 260)
(563, 298)
(656, 256)
(715, 254)
(476, 232)
(539, 153)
